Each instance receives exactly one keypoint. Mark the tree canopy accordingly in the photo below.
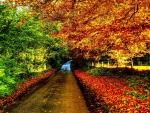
(97, 28)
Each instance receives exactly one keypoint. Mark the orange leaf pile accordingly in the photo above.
(112, 90)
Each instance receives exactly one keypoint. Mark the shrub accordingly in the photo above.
(98, 71)
(7, 86)
(4, 90)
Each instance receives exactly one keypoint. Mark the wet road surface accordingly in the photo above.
(61, 94)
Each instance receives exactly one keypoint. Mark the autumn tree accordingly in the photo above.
(94, 27)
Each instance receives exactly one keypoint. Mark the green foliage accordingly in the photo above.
(7, 85)
(55, 58)
(8, 78)
(147, 88)
(26, 50)
(4, 90)
(134, 81)
(98, 71)
(49, 28)
(135, 94)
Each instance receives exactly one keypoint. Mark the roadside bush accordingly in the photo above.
(4, 90)
(7, 86)
(98, 71)
(8, 79)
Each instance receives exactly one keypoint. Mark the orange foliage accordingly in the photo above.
(99, 22)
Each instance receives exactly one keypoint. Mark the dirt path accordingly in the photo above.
(60, 95)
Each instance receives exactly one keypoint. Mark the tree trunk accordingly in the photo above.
(131, 65)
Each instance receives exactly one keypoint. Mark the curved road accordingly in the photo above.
(61, 94)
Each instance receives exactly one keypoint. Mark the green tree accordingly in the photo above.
(25, 47)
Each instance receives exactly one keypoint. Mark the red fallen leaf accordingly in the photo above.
(111, 90)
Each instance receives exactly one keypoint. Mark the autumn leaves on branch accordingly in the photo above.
(102, 26)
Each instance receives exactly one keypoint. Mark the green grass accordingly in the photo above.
(98, 71)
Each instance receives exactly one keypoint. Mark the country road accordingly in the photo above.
(61, 94)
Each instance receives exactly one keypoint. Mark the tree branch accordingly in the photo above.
(135, 11)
